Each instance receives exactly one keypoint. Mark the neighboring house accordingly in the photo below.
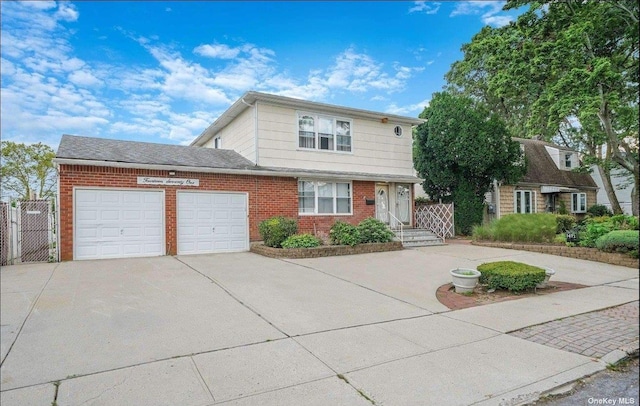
(548, 185)
(266, 155)
(622, 181)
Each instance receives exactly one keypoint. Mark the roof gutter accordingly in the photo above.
(236, 171)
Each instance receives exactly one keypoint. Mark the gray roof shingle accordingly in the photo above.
(101, 149)
(542, 170)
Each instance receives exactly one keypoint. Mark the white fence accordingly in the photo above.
(27, 232)
(437, 218)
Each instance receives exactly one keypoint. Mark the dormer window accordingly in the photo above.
(324, 132)
(567, 161)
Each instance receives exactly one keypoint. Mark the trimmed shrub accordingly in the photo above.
(374, 230)
(594, 228)
(510, 275)
(531, 227)
(624, 241)
(342, 233)
(599, 210)
(301, 241)
(275, 230)
(565, 222)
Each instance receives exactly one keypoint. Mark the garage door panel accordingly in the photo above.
(87, 215)
(109, 215)
(108, 232)
(219, 220)
(109, 197)
(118, 223)
(203, 199)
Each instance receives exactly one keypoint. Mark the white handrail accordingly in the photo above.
(401, 227)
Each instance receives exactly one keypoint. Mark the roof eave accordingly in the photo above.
(257, 171)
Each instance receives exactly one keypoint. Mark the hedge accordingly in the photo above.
(510, 275)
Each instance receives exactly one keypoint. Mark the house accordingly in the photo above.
(549, 185)
(622, 181)
(266, 155)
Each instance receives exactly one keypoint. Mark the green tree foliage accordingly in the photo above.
(459, 151)
(566, 70)
(27, 169)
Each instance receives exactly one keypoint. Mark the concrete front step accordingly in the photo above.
(415, 237)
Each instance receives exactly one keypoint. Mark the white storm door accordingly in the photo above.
(212, 222)
(403, 197)
(111, 223)
(382, 203)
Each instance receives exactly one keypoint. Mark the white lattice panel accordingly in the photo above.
(438, 218)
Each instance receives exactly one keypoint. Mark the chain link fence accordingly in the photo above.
(28, 230)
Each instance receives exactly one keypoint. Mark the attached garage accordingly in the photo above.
(113, 223)
(212, 222)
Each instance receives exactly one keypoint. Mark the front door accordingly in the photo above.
(403, 197)
(382, 203)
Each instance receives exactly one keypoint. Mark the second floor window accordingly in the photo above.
(324, 133)
(567, 161)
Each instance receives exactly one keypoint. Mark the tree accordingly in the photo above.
(27, 169)
(566, 71)
(460, 150)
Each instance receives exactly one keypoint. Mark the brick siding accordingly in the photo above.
(268, 196)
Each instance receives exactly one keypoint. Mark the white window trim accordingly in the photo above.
(335, 198)
(217, 140)
(316, 117)
(533, 202)
(573, 208)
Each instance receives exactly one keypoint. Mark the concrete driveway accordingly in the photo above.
(244, 329)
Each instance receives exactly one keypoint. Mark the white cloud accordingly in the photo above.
(84, 79)
(424, 7)
(217, 51)
(67, 12)
(487, 9)
(414, 109)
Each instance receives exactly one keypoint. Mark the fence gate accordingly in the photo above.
(28, 232)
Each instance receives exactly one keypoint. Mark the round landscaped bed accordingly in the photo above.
(324, 250)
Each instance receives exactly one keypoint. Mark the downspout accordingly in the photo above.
(255, 126)
(58, 248)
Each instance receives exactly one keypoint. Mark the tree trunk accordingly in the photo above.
(605, 175)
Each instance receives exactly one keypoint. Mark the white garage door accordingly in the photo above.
(118, 223)
(212, 222)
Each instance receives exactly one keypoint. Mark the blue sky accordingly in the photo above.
(163, 71)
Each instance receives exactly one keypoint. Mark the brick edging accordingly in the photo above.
(591, 254)
(325, 250)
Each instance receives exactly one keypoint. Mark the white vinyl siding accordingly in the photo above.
(318, 197)
(578, 202)
(325, 133)
(375, 149)
(239, 136)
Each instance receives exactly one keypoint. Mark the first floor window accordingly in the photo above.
(578, 202)
(523, 201)
(318, 197)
